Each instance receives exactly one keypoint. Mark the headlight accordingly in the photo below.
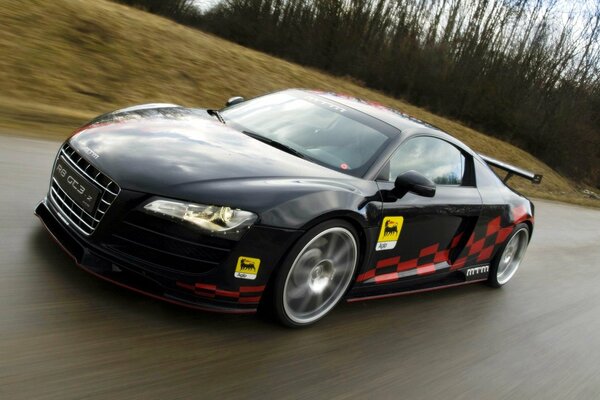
(216, 220)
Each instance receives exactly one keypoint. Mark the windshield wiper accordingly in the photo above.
(277, 145)
(217, 114)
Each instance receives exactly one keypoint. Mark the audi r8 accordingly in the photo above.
(289, 203)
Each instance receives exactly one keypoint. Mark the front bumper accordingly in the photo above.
(217, 290)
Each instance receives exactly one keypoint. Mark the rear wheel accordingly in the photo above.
(506, 263)
(316, 274)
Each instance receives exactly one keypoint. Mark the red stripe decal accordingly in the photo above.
(185, 285)
(388, 262)
(406, 265)
(493, 226)
(205, 294)
(386, 278)
(441, 256)
(251, 289)
(456, 240)
(503, 234)
(429, 250)
(227, 293)
(365, 276)
(485, 253)
(471, 239)
(476, 247)
(206, 286)
(249, 299)
(426, 269)
(458, 263)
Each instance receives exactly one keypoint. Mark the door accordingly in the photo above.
(422, 236)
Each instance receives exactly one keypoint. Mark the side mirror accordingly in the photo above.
(234, 100)
(412, 181)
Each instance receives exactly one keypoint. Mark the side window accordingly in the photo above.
(438, 160)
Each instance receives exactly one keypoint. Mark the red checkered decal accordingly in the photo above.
(245, 294)
(479, 249)
(425, 264)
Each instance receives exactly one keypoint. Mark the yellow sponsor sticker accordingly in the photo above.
(389, 234)
(247, 268)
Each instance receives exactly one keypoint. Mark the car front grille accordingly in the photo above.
(83, 221)
(168, 244)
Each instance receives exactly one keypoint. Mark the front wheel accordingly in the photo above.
(506, 263)
(316, 273)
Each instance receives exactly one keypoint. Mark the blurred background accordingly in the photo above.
(524, 72)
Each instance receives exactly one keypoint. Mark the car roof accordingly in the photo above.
(386, 114)
(406, 124)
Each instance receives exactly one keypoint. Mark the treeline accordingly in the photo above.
(526, 71)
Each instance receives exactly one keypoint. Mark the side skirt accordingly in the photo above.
(401, 287)
(407, 292)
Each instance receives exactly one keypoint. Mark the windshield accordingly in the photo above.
(318, 129)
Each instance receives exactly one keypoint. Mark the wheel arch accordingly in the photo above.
(529, 224)
(356, 220)
(360, 224)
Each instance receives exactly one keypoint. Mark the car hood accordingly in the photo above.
(181, 153)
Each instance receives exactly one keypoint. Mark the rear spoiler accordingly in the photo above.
(512, 170)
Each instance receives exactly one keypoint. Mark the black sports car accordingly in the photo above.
(287, 202)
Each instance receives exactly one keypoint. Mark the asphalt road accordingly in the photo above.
(67, 335)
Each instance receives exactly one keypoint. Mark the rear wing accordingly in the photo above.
(512, 170)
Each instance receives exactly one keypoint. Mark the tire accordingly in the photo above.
(507, 261)
(315, 274)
